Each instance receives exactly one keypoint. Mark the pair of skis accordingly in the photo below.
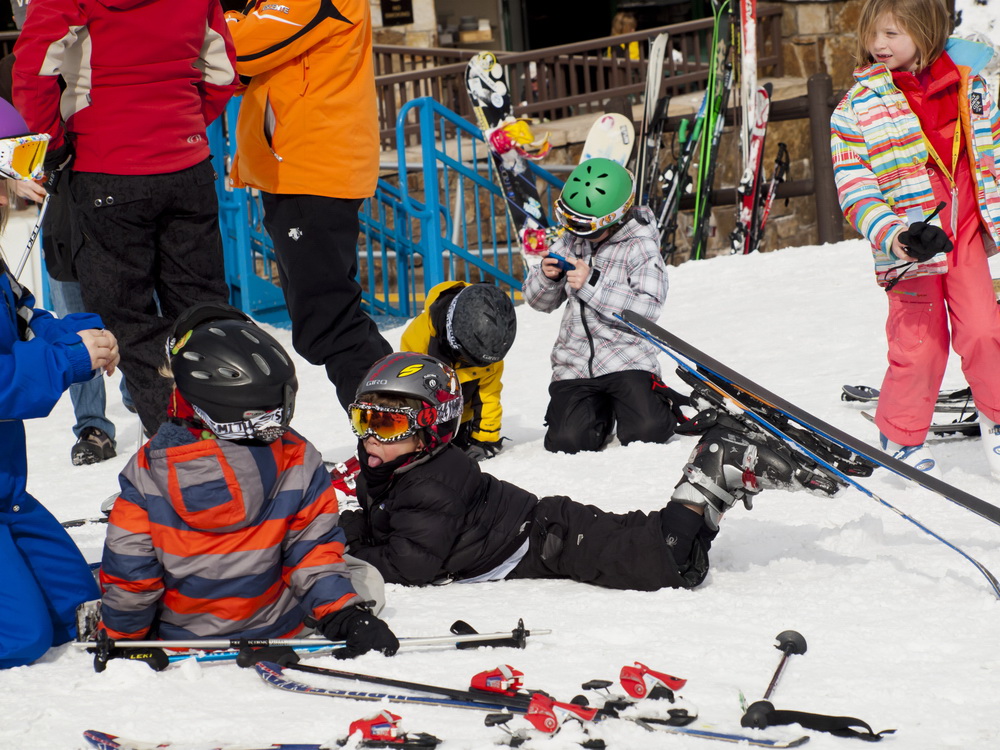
(800, 430)
(958, 402)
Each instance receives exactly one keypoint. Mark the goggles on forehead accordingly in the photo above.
(387, 423)
(266, 427)
(582, 224)
(22, 157)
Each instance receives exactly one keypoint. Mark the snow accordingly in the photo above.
(901, 630)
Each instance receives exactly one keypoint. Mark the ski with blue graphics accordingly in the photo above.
(803, 431)
(519, 703)
(105, 741)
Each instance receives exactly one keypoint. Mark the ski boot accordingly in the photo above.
(730, 463)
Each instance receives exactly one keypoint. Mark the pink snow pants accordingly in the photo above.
(917, 330)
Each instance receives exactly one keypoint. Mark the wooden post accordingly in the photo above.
(829, 218)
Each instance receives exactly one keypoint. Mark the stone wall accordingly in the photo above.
(421, 33)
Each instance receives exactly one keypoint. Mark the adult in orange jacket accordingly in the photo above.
(307, 139)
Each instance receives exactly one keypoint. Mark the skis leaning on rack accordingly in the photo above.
(839, 453)
(648, 135)
(720, 79)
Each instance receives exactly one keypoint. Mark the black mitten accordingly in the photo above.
(362, 630)
(923, 241)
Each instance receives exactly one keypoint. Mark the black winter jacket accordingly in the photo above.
(439, 518)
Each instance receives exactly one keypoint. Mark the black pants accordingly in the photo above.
(582, 413)
(143, 240)
(618, 551)
(315, 240)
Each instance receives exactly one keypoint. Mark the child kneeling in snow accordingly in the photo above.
(430, 515)
(227, 523)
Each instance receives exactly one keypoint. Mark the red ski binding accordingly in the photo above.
(382, 731)
(343, 475)
(504, 680)
(547, 714)
(640, 682)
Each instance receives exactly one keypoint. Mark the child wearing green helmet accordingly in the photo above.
(604, 376)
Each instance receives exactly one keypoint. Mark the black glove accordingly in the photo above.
(355, 526)
(362, 630)
(57, 160)
(480, 450)
(923, 241)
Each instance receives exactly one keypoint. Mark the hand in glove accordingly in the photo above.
(923, 241)
(480, 450)
(362, 630)
(57, 161)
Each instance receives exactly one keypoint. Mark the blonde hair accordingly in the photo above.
(925, 21)
(623, 23)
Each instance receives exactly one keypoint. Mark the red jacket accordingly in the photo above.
(144, 78)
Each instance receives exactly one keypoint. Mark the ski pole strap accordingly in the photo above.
(762, 714)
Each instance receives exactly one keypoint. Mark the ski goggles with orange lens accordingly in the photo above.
(387, 423)
(22, 157)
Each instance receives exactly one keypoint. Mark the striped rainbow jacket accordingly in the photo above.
(880, 158)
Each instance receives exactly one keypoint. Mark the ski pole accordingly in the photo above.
(516, 636)
(789, 642)
(32, 238)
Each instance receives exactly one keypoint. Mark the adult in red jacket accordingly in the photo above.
(143, 79)
(307, 139)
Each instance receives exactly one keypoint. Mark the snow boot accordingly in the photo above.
(92, 447)
(917, 456)
(991, 443)
(728, 465)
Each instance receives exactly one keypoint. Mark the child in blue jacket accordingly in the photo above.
(44, 575)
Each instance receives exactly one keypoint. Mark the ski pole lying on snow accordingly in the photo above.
(762, 713)
(154, 652)
(789, 642)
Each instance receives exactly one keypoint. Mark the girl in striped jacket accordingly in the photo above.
(916, 155)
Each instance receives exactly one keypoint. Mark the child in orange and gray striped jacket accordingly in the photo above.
(227, 524)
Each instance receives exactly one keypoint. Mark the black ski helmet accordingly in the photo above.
(230, 370)
(481, 324)
(425, 379)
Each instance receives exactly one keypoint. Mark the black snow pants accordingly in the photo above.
(315, 240)
(620, 551)
(147, 248)
(582, 413)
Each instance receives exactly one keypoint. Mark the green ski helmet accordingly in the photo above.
(597, 194)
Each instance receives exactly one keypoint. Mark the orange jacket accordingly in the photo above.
(308, 121)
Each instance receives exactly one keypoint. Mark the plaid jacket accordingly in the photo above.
(628, 275)
(880, 158)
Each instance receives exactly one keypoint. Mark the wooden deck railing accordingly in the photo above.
(561, 81)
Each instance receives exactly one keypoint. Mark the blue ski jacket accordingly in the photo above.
(40, 357)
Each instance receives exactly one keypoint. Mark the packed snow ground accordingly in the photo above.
(902, 631)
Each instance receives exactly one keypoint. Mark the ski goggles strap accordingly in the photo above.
(266, 427)
(387, 423)
(22, 157)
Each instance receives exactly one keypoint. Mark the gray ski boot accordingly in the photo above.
(729, 464)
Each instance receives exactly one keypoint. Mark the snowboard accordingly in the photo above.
(612, 137)
(486, 82)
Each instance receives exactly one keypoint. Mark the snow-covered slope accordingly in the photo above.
(902, 631)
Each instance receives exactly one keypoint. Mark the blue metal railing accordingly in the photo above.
(438, 219)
